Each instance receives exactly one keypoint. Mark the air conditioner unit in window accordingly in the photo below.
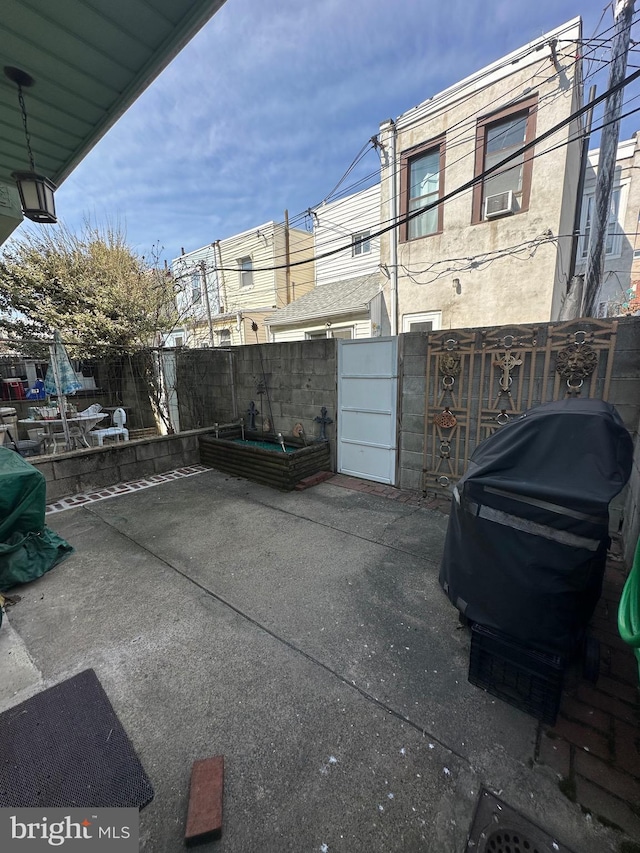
(498, 205)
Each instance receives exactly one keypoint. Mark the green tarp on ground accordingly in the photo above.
(28, 548)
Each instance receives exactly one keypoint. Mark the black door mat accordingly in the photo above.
(65, 747)
(497, 828)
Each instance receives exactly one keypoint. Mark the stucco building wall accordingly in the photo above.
(449, 271)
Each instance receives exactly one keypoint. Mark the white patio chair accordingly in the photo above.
(118, 429)
(91, 410)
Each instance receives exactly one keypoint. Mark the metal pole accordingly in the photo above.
(62, 403)
(584, 159)
(607, 159)
(390, 162)
(288, 298)
(203, 267)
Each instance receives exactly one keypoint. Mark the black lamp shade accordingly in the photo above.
(36, 196)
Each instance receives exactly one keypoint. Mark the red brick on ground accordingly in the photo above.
(627, 747)
(575, 710)
(618, 783)
(204, 816)
(607, 808)
(313, 480)
(594, 698)
(584, 737)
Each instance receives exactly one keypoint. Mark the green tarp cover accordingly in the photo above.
(28, 548)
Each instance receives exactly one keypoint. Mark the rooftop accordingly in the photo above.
(346, 296)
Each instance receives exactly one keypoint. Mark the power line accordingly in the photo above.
(455, 141)
(473, 181)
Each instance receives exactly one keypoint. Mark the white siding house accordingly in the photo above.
(223, 288)
(347, 301)
(348, 222)
(619, 281)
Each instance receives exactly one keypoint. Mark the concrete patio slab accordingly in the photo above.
(305, 637)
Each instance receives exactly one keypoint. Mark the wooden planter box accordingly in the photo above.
(271, 467)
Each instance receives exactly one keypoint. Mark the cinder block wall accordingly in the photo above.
(89, 470)
(299, 377)
(624, 394)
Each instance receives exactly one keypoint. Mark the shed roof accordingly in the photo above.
(329, 300)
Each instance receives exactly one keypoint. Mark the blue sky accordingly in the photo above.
(269, 104)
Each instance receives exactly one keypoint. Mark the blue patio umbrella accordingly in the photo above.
(61, 379)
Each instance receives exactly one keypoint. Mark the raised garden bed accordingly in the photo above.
(269, 464)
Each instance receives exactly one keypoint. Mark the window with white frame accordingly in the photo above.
(613, 241)
(345, 332)
(196, 287)
(246, 271)
(426, 321)
(224, 337)
(361, 243)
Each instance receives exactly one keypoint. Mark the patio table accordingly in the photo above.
(79, 426)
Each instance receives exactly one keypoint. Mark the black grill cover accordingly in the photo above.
(528, 533)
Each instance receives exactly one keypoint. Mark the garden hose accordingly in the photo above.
(629, 608)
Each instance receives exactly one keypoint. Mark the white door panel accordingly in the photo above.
(367, 403)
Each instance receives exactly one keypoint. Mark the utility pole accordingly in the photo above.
(572, 304)
(607, 159)
(203, 269)
(286, 252)
(220, 272)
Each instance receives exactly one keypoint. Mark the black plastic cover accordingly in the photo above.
(528, 532)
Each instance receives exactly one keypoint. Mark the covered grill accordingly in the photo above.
(528, 533)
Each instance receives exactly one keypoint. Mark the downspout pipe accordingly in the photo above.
(388, 134)
(584, 159)
(393, 133)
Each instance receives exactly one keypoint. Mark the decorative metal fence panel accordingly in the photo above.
(479, 380)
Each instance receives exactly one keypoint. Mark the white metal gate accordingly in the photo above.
(367, 404)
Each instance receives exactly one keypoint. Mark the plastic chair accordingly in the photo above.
(118, 429)
(93, 409)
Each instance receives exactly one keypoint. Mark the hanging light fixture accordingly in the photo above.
(36, 191)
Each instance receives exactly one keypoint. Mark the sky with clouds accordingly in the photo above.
(269, 104)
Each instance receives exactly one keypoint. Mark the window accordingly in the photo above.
(427, 321)
(497, 137)
(346, 333)
(178, 341)
(196, 288)
(225, 337)
(361, 243)
(613, 242)
(246, 272)
(422, 184)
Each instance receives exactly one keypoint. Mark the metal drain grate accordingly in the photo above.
(497, 828)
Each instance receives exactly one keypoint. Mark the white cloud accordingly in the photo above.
(268, 105)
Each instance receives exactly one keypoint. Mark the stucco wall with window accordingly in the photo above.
(622, 229)
(473, 269)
